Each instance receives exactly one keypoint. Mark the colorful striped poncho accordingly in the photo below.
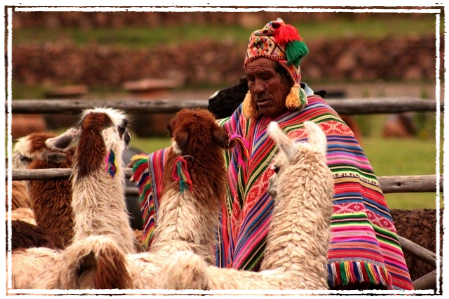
(364, 245)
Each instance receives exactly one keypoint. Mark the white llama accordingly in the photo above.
(98, 177)
(98, 194)
(296, 252)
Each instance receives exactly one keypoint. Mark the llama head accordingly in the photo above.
(290, 151)
(33, 148)
(101, 133)
(197, 155)
(224, 102)
(193, 129)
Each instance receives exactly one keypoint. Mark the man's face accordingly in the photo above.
(268, 88)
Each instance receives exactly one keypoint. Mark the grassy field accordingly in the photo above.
(144, 37)
(404, 157)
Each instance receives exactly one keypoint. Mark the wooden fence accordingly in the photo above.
(388, 184)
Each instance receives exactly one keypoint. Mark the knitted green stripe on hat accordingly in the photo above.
(295, 52)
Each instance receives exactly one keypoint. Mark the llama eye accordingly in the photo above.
(275, 169)
(24, 159)
(121, 130)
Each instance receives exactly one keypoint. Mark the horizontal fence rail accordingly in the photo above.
(440, 263)
(142, 106)
(427, 281)
(388, 184)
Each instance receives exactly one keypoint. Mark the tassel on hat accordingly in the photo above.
(296, 99)
(292, 101)
(288, 36)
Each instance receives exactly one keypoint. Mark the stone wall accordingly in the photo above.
(215, 63)
(253, 20)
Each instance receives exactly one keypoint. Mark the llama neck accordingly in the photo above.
(187, 221)
(51, 202)
(299, 233)
(186, 224)
(99, 207)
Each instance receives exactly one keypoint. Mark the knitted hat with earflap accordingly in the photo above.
(279, 42)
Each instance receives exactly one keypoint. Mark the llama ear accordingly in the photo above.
(54, 157)
(220, 137)
(284, 142)
(316, 136)
(214, 95)
(181, 137)
(63, 141)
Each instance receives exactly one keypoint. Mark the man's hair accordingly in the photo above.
(283, 72)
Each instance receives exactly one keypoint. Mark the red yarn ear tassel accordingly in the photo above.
(286, 33)
(181, 174)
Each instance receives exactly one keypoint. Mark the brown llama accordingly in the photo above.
(187, 217)
(26, 235)
(51, 199)
(20, 198)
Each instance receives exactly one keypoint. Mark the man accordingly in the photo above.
(364, 251)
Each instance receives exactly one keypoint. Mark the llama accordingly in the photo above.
(24, 214)
(98, 178)
(187, 218)
(19, 196)
(296, 252)
(51, 199)
(31, 263)
(26, 235)
(96, 211)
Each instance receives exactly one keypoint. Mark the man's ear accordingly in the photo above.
(54, 157)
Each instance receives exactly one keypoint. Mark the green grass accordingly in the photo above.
(145, 37)
(391, 157)
(23, 91)
(149, 145)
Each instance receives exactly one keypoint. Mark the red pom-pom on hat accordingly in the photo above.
(285, 33)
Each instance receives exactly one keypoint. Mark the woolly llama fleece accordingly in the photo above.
(296, 252)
